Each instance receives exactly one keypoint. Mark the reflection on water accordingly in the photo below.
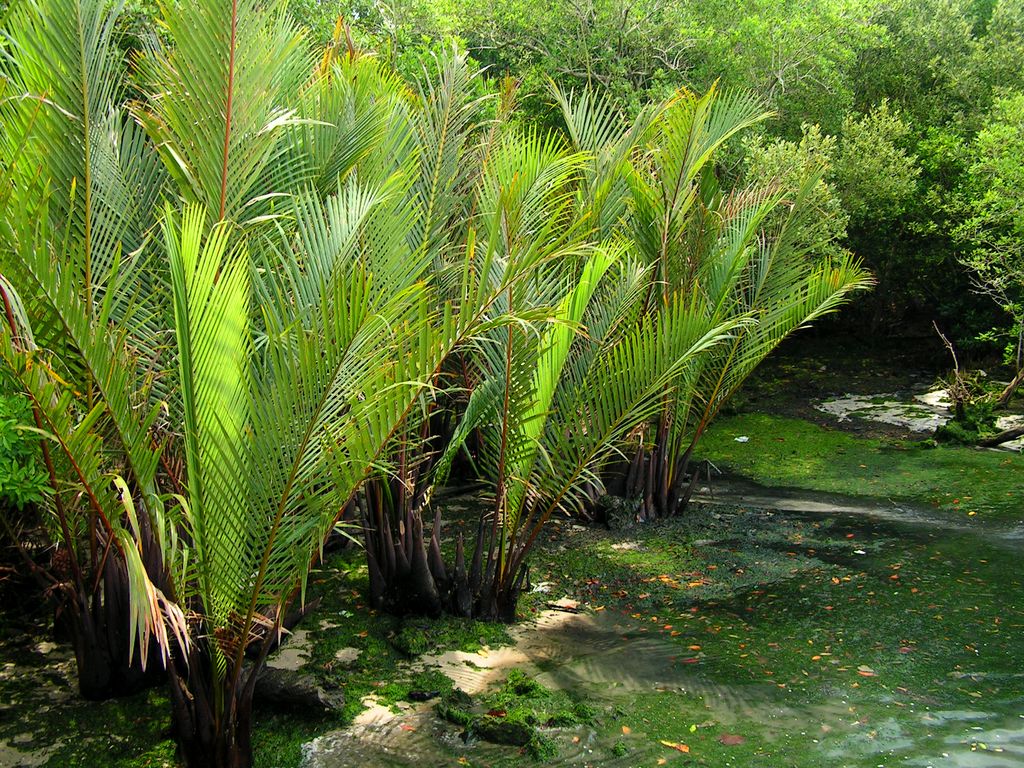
(646, 680)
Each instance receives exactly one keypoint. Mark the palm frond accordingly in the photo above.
(211, 299)
(222, 94)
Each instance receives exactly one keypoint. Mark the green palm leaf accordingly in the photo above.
(222, 94)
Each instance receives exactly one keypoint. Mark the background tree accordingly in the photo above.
(994, 231)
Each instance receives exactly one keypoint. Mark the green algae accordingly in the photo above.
(775, 638)
(786, 452)
(517, 714)
(840, 663)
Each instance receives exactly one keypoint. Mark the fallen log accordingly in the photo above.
(1003, 437)
(1011, 388)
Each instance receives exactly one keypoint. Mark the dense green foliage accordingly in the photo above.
(906, 88)
(994, 230)
(22, 476)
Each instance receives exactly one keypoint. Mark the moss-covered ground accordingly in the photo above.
(772, 639)
(794, 453)
(814, 641)
(43, 720)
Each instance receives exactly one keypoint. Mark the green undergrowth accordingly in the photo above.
(518, 714)
(793, 453)
(344, 627)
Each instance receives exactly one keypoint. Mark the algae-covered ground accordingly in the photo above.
(819, 641)
(733, 636)
(776, 433)
(788, 452)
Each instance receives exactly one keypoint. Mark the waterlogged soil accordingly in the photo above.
(739, 635)
(961, 482)
(751, 637)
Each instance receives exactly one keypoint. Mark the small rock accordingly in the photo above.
(287, 689)
(501, 731)
(616, 512)
(346, 655)
(423, 695)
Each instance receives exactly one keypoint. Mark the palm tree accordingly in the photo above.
(642, 249)
(215, 397)
(553, 394)
(283, 418)
(282, 422)
(79, 197)
(736, 257)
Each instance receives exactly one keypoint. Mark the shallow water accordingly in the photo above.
(903, 651)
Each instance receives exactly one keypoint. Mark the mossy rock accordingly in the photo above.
(514, 714)
(502, 730)
(411, 640)
(616, 512)
(518, 683)
(455, 706)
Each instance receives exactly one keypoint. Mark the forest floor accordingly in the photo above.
(856, 600)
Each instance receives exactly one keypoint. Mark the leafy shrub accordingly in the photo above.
(23, 480)
(977, 422)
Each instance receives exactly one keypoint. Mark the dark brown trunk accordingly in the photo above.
(211, 719)
(99, 625)
(660, 484)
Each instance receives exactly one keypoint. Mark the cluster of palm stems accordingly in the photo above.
(252, 290)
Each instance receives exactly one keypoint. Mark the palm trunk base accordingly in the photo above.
(651, 485)
(206, 740)
(408, 575)
(99, 627)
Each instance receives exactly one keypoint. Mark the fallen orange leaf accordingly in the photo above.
(676, 746)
